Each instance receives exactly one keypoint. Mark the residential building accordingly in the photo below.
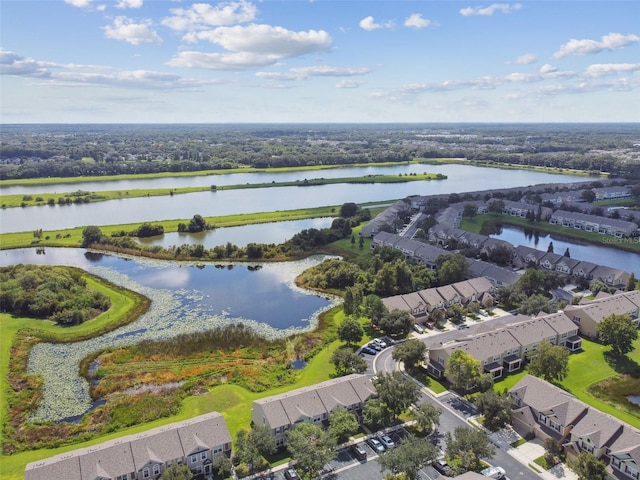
(594, 223)
(546, 411)
(313, 404)
(197, 443)
(589, 315)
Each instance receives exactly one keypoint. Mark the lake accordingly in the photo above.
(186, 297)
(273, 232)
(461, 178)
(599, 254)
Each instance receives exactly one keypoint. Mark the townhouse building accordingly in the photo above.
(587, 316)
(594, 223)
(313, 404)
(546, 411)
(196, 442)
(505, 348)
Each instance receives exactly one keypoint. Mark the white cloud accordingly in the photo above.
(266, 40)
(350, 83)
(601, 69)
(415, 20)
(490, 10)
(546, 68)
(612, 41)
(134, 33)
(369, 24)
(221, 61)
(302, 73)
(12, 63)
(78, 3)
(202, 15)
(129, 4)
(526, 59)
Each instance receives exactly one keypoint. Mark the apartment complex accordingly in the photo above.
(196, 442)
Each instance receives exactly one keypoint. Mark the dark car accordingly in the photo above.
(359, 452)
(443, 467)
(291, 474)
(368, 350)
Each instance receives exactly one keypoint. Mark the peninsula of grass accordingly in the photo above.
(486, 224)
(80, 196)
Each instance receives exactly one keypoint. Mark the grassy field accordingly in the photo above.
(12, 201)
(123, 303)
(73, 237)
(479, 223)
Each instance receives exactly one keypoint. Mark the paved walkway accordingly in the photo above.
(528, 452)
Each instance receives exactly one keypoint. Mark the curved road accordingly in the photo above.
(453, 417)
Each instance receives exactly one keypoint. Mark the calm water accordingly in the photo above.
(185, 298)
(599, 254)
(461, 178)
(274, 232)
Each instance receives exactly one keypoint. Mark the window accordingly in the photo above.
(203, 455)
(194, 458)
(145, 473)
(217, 449)
(156, 469)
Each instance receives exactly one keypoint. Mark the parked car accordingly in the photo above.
(443, 467)
(382, 343)
(359, 452)
(291, 474)
(418, 328)
(497, 473)
(376, 445)
(368, 350)
(462, 326)
(387, 441)
(429, 325)
(375, 346)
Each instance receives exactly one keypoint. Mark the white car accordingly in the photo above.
(497, 473)
(382, 344)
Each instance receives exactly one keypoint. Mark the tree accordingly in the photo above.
(496, 206)
(350, 331)
(566, 253)
(550, 248)
(531, 281)
(342, 424)
(347, 362)
(426, 416)
(412, 353)
(246, 452)
(348, 209)
(619, 332)
(588, 195)
(551, 362)
(456, 313)
(501, 254)
(553, 449)
(396, 392)
(596, 286)
(263, 439)
(466, 447)
(374, 308)
(631, 283)
(177, 471)
(588, 467)
(470, 210)
(463, 369)
(197, 224)
(396, 323)
(409, 457)
(495, 408)
(375, 414)
(535, 304)
(310, 447)
(453, 269)
(90, 235)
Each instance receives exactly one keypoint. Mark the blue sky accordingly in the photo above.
(155, 61)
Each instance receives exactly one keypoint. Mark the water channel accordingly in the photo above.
(461, 178)
(602, 254)
(185, 298)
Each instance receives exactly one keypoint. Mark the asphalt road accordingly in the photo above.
(455, 412)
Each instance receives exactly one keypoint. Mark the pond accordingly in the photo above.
(461, 178)
(185, 298)
(601, 254)
(267, 233)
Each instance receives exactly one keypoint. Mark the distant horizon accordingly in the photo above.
(322, 123)
(319, 62)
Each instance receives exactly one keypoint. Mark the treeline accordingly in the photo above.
(59, 294)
